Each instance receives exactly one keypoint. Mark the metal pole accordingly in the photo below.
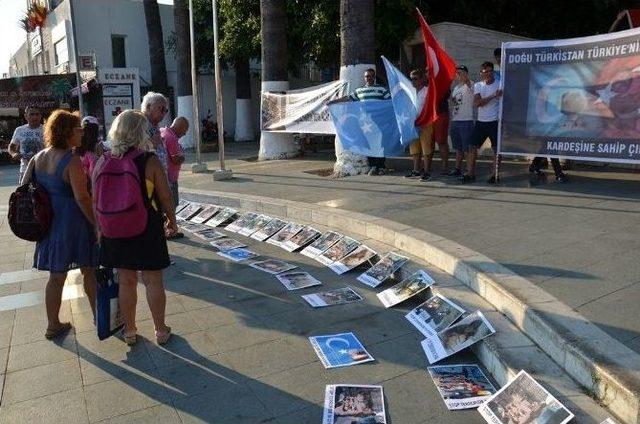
(76, 57)
(199, 166)
(222, 173)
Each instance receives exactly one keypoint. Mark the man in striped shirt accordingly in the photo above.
(370, 91)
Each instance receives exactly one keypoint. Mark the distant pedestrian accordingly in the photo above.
(497, 55)
(146, 252)
(27, 139)
(171, 136)
(419, 149)
(71, 242)
(372, 91)
(155, 106)
(535, 168)
(90, 148)
(462, 121)
(487, 96)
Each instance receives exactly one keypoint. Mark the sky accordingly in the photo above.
(11, 34)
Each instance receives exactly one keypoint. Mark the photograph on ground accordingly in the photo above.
(221, 217)
(207, 212)
(189, 211)
(332, 297)
(352, 260)
(289, 230)
(255, 225)
(297, 280)
(272, 266)
(227, 244)
(407, 288)
(182, 204)
(304, 237)
(354, 403)
(238, 255)
(434, 315)
(382, 269)
(191, 227)
(324, 242)
(524, 401)
(208, 234)
(461, 386)
(339, 250)
(268, 230)
(245, 221)
(340, 350)
(237, 223)
(471, 329)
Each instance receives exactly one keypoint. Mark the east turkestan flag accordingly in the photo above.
(441, 69)
(404, 99)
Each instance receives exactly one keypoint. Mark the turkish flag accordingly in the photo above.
(442, 71)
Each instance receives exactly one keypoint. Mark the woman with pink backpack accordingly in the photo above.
(130, 196)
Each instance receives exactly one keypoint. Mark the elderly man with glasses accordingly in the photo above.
(27, 139)
(155, 106)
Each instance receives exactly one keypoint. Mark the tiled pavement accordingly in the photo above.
(239, 352)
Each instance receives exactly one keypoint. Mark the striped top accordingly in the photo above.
(370, 92)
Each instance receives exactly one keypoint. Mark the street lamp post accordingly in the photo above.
(76, 56)
(222, 173)
(199, 166)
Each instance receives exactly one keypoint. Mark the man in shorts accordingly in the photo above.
(27, 139)
(440, 136)
(420, 146)
(487, 94)
(461, 119)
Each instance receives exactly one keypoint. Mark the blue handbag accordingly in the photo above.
(108, 317)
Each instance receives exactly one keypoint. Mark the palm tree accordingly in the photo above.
(184, 91)
(274, 73)
(357, 53)
(156, 44)
(35, 18)
(244, 118)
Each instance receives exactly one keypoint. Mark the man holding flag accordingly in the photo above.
(441, 71)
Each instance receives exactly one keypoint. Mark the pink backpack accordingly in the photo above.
(120, 204)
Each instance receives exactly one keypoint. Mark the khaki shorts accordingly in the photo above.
(423, 145)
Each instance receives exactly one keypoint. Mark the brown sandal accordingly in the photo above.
(52, 333)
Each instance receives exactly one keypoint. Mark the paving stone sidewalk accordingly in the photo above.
(579, 241)
(239, 353)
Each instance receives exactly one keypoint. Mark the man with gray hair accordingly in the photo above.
(155, 106)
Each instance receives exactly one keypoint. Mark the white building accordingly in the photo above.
(114, 31)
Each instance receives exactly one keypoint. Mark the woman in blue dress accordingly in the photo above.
(71, 241)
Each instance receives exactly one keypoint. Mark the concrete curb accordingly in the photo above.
(606, 369)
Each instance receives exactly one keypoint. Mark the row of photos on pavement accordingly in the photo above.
(447, 327)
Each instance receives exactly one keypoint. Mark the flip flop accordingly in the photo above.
(52, 333)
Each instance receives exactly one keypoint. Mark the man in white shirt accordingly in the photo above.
(421, 146)
(487, 96)
(462, 120)
(27, 139)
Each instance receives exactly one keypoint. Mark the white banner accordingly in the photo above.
(301, 111)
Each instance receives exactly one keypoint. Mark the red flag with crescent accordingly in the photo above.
(442, 71)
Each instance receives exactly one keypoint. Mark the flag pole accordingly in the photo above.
(222, 173)
(76, 55)
(199, 166)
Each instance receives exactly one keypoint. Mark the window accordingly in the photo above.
(61, 52)
(117, 51)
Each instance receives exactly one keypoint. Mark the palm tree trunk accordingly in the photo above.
(274, 74)
(156, 44)
(42, 62)
(357, 54)
(184, 91)
(244, 121)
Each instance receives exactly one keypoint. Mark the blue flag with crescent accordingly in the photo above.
(367, 127)
(404, 98)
